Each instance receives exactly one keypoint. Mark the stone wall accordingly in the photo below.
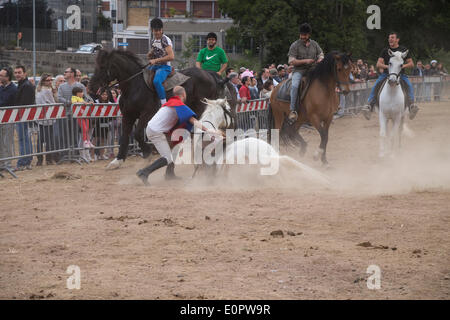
(51, 62)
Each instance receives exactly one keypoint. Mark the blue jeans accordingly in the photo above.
(296, 78)
(161, 73)
(383, 76)
(25, 146)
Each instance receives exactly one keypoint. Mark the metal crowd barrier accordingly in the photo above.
(55, 131)
(253, 114)
(426, 89)
(27, 131)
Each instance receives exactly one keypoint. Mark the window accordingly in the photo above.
(202, 9)
(171, 8)
(200, 42)
(140, 4)
(176, 42)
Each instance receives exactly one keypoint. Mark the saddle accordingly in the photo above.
(284, 92)
(173, 79)
(379, 87)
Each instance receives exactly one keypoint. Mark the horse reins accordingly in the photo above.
(397, 75)
(226, 113)
(127, 79)
(337, 80)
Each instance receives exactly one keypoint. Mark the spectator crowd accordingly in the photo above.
(72, 87)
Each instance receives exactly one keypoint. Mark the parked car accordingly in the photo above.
(89, 48)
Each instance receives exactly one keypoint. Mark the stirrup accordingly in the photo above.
(413, 109)
(293, 116)
(367, 111)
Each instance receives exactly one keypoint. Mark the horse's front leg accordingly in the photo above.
(397, 132)
(322, 128)
(383, 133)
(322, 151)
(127, 126)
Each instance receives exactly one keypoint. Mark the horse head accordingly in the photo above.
(343, 67)
(395, 66)
(218, 113)
(112, 67)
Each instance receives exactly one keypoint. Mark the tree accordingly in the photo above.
(187, 53)
(274, 24)
(339, 25)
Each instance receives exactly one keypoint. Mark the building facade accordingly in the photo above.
(60, 24)
(185, 21)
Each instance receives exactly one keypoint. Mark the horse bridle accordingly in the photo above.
(337, 79)
(125, 80)
(397, 75)
(226, 115)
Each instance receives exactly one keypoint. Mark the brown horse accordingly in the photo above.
(319, 103)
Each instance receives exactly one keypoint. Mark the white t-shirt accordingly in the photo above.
(159, 47)
(164, 120)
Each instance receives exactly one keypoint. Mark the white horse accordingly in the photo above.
(217, 116)
(257, 151)
(392, 105)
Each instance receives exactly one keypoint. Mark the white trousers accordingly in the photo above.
(160, 142)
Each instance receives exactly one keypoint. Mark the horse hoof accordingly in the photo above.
(302, 152)
(317, 154)
(326, 166)
(115, 164)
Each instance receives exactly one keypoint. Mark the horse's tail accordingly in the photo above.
(310, 172)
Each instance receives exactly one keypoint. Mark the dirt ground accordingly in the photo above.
(199, 239)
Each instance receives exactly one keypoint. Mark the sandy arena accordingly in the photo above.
(193, 239)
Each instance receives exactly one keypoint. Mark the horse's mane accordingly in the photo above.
(129, 55)
(104, 55)
(326, 67)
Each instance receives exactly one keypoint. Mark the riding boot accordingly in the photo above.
(413, 109)
(170, 172)
(145, 172)
(368, 109)
(293, 116)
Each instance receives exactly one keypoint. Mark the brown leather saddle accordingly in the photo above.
(173, 79)
(284, 93)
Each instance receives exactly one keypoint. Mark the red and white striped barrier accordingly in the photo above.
(253, 105)
(95, 110)
(32, 113)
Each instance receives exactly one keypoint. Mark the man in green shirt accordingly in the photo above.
(212, 58)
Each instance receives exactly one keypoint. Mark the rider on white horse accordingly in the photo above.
(383, 62)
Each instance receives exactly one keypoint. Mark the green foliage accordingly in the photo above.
(440, 55)
(247, 60)
(103, 22)
(186, 54)
(340, 25)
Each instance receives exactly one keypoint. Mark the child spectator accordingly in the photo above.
(77, 97)
(267, 89)
(244, 91)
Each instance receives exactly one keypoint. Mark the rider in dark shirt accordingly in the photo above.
(383, 63)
